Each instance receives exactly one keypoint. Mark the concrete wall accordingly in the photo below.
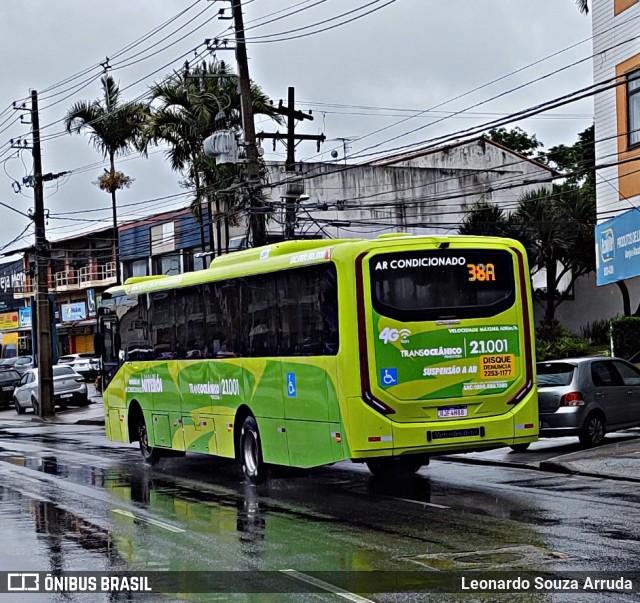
(592, 303)
(419, 195)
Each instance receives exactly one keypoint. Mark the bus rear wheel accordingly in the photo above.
(394, 467)
(150, 454)
(253, 466)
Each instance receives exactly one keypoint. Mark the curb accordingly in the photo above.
(54, 421)
(543, 466)
(557, 467)
(89, 422)
(488, 463)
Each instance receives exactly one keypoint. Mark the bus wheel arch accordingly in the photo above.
(138, 432)
(249, 446)
(133, 419)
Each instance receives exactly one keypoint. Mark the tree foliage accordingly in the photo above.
(577, 161)
(517, 140)
(114, 127)
(558, 225)
(583, 6)
(555, 226)
(189, 107)
(113, 181)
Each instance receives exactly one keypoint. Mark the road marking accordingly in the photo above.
(155, 522)
(331, 588)
(419, 502)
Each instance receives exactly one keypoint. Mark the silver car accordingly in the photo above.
(18, 363)
(69, 387)
(88, 365)
(587, 397)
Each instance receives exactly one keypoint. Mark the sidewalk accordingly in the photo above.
(618, 458)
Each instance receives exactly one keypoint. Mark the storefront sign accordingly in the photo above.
(618, 248)
(73, 312)
(25, 318)
(9, 320)
(12, 278)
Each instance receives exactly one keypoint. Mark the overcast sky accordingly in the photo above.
(366, 81)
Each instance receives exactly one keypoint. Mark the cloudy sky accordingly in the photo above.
(379, 75)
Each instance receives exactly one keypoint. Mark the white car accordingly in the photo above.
(69, 387)
(85, 363)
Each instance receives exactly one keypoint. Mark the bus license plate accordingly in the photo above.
(452, 411)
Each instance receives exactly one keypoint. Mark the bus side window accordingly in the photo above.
(163, 325)
(221, 310)
(260, 313)
(190, 325)
(329, 305)
(308, 311)
(133, 316)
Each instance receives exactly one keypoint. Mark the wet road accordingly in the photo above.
(70, 500)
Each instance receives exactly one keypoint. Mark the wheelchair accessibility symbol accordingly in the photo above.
(388, 377)
(291, 385)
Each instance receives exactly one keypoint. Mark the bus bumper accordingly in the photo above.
(374, 435)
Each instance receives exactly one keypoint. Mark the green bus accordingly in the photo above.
(304, 353)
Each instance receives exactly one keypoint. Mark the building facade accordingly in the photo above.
(80, 268)
(425, 192)
(616, 66)
(171, 243)
(15, 313)
(616, 48)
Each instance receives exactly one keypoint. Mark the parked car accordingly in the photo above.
(9, 379)
(87, 364)
(69, 387)
(18, 363)
(587, 397)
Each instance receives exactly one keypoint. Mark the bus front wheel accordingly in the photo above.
(150, 454)
(253, 466)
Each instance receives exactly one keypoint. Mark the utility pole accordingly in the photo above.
(295, 188)
(291, 137)
(254, 185)
(43, 318)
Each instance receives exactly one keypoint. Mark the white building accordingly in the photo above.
(616, 47)
(424, 192)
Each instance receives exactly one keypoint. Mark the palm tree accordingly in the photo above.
(559, 225)
(556, 228)
(189, 107)
(485, 219)
(114, 127)
(583, 6)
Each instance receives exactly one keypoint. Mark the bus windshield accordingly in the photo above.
(432, 284)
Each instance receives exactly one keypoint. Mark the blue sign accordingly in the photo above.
(618, 248)
(292, 392)
(388, 377)
(24, 318)
(73, 312)
(91, 303)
